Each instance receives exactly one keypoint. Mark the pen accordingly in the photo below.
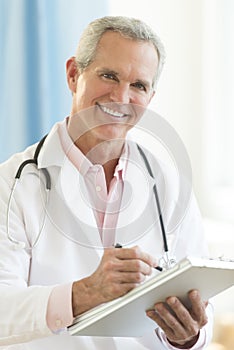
(159, 268)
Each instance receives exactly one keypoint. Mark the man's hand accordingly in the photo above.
(180, 325)
(120, 270)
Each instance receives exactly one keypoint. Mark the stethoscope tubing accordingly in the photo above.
(34, 161)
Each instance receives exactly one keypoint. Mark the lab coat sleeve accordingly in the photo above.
(22, 307)
(23, 314)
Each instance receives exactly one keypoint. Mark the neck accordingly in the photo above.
(97, 149)
(100, 151)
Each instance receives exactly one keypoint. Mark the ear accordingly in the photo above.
(152, 95)
(72, 73)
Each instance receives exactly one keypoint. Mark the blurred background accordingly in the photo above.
(195, 94)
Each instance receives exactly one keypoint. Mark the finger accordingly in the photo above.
(172, 332)
(161, 323)
(183, 315)
(131, 277)
(136, 253)
(173, 329)
(112, 263)
(173, 323)
(198, 309)
(134, 266)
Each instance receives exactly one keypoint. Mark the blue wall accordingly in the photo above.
(36, 38)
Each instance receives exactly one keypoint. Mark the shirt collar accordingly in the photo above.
(81, 162)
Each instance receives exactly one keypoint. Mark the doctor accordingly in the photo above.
(58, 226)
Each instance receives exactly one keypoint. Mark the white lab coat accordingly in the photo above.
(69, 246)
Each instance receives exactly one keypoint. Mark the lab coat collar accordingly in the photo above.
(52, 152)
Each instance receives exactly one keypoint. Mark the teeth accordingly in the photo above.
(111, 112)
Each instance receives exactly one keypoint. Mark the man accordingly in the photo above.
(57, 254)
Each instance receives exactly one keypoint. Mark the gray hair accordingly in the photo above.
(131, 28)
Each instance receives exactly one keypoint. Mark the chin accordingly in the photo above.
(110, 132)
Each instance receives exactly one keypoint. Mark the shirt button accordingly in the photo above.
(58, 323)
(98, 188)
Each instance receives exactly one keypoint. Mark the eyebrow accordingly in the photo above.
(106, 70)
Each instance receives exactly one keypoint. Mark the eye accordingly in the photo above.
(109, 76)
(140, 86)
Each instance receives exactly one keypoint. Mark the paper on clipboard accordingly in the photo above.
(126, 316)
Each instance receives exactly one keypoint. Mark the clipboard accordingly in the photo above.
(125, 316)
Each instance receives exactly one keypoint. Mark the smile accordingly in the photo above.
(112, 112)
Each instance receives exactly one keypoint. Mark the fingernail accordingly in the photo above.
(150, 313)
(158, 307)
(194, 294)
(171, 300)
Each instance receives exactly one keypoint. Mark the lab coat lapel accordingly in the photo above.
(72, 192)
(135, 215)
(76, 198)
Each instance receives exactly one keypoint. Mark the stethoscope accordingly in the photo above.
(34, 161)
(166, 261)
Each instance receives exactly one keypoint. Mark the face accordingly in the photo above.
(119, 78)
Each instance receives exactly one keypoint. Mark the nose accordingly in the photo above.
(120, 93)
